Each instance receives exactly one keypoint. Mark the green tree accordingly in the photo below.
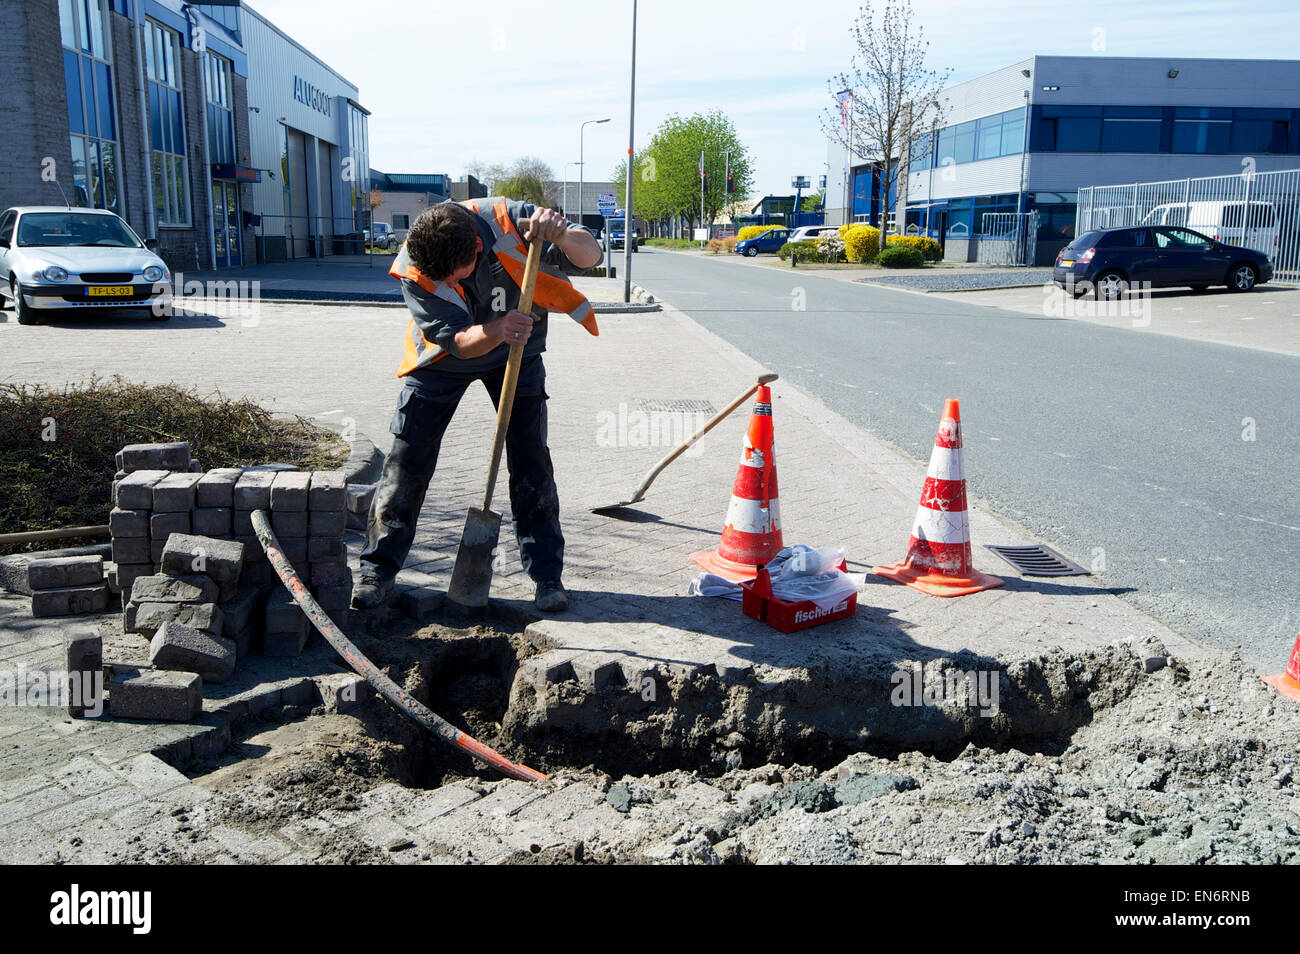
(523, 186)
(811, 203)
(666, 182)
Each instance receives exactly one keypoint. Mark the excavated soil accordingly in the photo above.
(1144, 759)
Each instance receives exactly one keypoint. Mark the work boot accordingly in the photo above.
(551, 597)
(371, 591)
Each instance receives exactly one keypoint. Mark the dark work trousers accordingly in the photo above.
(424, 409)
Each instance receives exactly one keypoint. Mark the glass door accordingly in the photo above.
(225, 223)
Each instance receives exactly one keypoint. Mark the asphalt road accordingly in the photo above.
(1107, 443)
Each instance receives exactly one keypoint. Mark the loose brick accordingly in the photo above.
(342, 691)
(83, 652)
(320, 549)
(135, 491)
(122, 576)
(253, 552)
(331, 573)
(283, 615)
(216, 488)
(150, 617)
(327, 523)
(289, 491)
(175, 493)
(171, 456)
(329, 490)
(183, 648)
(253, 490)
(291, 523)
(212, 521)
(360, 497)
(188, 553)
(70, 600)
(54, 572)
(128, 523)
(163, 525)
(156, 547)
(156, 694)
(194, 588)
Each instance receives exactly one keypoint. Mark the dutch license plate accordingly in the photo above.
(1067, 262)
(109, 291)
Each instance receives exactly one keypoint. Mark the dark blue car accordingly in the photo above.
(1112, 260)
(769, 241)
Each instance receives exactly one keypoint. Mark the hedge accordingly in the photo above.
(928, 247)
(899, 255)
(809, 251)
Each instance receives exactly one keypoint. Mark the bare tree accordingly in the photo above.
(893, 98)
(531, 167)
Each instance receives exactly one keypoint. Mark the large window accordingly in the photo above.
(1180, 129)
(221, 121)
(1002, 134)
(356, 173)
(92, 116)
(171, 183)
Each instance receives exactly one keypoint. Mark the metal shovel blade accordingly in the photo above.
(471, 577)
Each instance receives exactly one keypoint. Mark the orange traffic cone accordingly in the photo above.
(752, 533)
(1288, 683)
(939, 557)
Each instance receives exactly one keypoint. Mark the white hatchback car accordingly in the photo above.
(53, 257)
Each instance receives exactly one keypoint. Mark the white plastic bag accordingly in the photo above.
(803, 573)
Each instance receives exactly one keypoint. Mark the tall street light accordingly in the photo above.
(582, 169)
(628, 217)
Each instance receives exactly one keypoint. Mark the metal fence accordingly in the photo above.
(1007, 238)
(1260, 210)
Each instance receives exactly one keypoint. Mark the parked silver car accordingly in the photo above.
(53, 257)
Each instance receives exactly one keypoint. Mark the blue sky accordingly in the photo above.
(448, 83)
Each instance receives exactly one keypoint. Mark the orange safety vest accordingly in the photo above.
(553, 291)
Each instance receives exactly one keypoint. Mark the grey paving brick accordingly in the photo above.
(327, 523)
(221, 560)
(158, 588)
(150, 617)
(212, 521)
(328, 490)
(174, 455)
(175, 493)
(289, 491)
(326, 548)
(158, 695)
(83, 651)
(128, 523)
(84, 776)
(131, 551)
(183, 648)
(216, 489)
(253, 491)
(70, 600)
(135, 491)
(289, 523)
(55, 572)
(163, 525)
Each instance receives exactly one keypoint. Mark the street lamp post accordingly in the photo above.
(582, 169)
(628, 215)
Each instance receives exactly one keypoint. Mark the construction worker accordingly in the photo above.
(460, 269)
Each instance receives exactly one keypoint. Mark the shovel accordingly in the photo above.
(471, 577)
(639, 494)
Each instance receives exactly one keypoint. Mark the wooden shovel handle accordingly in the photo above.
(506, 401)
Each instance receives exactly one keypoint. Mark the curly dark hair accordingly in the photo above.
(442, 240)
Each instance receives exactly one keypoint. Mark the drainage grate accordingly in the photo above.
(1039, 561)
(678, 407)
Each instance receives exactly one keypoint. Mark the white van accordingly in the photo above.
(1221, 220)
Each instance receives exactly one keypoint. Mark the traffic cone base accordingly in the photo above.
(937, 584)
(1288, 683)
(938, 558)
(751, 532)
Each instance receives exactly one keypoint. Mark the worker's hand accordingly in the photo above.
(511, 328)
(547, 225)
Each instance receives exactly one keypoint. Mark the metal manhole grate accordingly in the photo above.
(678, 407)
(1039, 561)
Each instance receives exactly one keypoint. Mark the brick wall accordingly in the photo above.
(34, 107)
(133, 172)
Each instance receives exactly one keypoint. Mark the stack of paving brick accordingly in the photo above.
(143, 514)
(67, 586)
